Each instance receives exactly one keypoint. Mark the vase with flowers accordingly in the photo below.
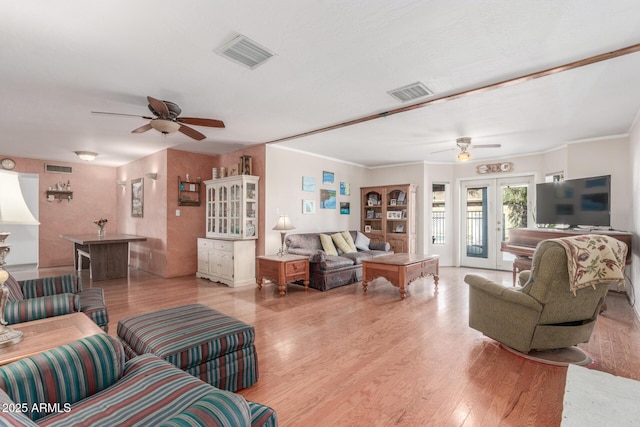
(101, 223)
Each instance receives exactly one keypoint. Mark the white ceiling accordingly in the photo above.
(335, 61)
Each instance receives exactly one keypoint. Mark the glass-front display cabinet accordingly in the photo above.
(232, 207)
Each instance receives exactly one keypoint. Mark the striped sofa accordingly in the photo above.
(88, 383)
(54, 296)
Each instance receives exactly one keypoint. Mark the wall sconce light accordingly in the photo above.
(86, 155)
(151, 176)
(121, 182)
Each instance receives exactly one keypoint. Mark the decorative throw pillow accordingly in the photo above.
(362, 242)
(327, 245)
(342, 244)
(349, 240)
(15, 291)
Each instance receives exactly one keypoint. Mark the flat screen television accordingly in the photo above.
(584, 202)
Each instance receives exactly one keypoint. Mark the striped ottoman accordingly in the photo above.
(201, 341)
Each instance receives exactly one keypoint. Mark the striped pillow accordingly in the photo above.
(15, 290)
(68, 283)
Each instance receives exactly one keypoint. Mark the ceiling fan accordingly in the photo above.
(463, 144)
(167, 120)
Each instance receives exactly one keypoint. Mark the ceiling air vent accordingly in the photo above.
(410, 92)
(244, 51)
(57, 168)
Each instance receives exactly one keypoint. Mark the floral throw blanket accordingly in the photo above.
(593, 260)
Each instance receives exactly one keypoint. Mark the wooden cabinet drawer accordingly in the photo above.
(294, 268)
(222, 245)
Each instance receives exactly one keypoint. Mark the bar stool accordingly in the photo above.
(85, 254)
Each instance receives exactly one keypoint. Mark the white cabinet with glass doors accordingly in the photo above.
(232, 207)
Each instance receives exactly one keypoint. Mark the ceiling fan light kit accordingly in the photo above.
(87, 155)
(464, 156)
(165, 126)
(167, 120)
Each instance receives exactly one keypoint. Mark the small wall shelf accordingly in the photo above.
(60, 195)
(188, 193)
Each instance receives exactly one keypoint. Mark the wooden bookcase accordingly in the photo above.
(389, 215)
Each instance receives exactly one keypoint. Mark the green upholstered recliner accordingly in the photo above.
(541, 314)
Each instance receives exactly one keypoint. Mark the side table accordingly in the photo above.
(282, 270)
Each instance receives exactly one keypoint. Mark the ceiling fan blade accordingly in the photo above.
(191, 133)
(121, 114)
(487, 146)
(142, 128)
(158, 106)
(442, 151)
(212, 123)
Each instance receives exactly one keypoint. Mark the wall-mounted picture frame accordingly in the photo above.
(327, 199)
(308, 183)
(308, 207)
(367, 229)
(345, 189)
(345, 208)
(328, 177)
(137, 198)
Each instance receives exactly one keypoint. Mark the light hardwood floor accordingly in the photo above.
(343, 358)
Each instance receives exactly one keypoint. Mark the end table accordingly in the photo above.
(282, 270)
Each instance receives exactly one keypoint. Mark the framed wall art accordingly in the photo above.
(345, 208)
(327, 199)
(308, 207)
(137, 197)
(308, 183)
(328, 177)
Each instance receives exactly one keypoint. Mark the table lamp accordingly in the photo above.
(283, 226)
(13, 210)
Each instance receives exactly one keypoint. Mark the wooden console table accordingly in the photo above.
(45, 334)
(282, 270)
(400, 269)
(109, 254)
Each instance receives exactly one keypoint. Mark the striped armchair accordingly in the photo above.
(54, 296)
(88, 383)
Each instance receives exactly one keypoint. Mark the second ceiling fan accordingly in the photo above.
(463, 144)
(167, 120)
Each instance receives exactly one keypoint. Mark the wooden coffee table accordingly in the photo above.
(400, 269)
(282, 270)
(45, 334)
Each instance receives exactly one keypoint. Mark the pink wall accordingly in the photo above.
(183, 230)
(150, 255)
(94, 197)
(171, 246)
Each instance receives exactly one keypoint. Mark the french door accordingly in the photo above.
(489, 209)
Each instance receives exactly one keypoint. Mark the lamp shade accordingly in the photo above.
(284, 224)
(13, 208)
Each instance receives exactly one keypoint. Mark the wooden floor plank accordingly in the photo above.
(343, 357)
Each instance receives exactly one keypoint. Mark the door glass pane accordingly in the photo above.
(438, 214)
(476, 222)
(514, 212)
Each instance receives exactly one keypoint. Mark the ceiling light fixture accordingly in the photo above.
(86, 155)
(463, 156)
(165, 126)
